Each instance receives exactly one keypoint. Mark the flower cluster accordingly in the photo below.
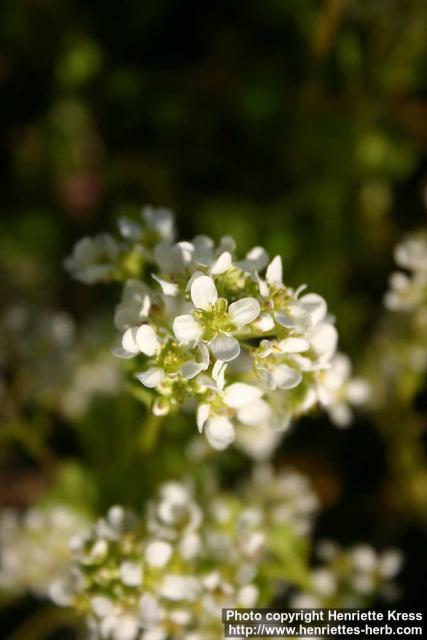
(169, 574)
(408, 289)
(350, 577)
(204, 329)
(285, 497)
(34, 547)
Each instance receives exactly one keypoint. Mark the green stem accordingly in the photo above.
(150, 433)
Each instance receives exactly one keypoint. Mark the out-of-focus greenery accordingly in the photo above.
(298, 125)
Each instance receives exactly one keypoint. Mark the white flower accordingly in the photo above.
(390, 562)
(150, 611)
(241, 401)
(34, 550)
(324, 582)
(166, 359)
(93, 259)
(155, 222)
(407, 291)
(177, 587)
(412, 253)
(217, 260)
(220, 432)
(141, 339)
(134, 307)
(288, 308)
(248, 596)
(118, 626)
(158, 553)
(256, 260)
(173, 259)
(131, 574)
(161, 221)
(276, 364)
(337, 390)
(212, 322)
(174, 511)
(258, 441)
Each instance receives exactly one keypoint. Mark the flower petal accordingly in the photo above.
(222, 263)
(256, 413)
(190, 369)
(158, 553)
(204, 293)
(147, 340)
(262, 285)
(358, 391)
(244, 311)
(285, 377)
(168, 288)
(131, 574)
(203, 411)
(315, 307)
(324, 340)
(264, 323)
(204, 358)
(151, 377)
(218, 374)
(118, 352)
(224, 347)
(186, 328)
(285, 320)
(194, 276)
(274, 273)
(256, 258)
(293, 345)
(129, 343)
(129, 229)
(203, 246)
(160, 220)
(219, 432)
(265, 348)
(240, 394)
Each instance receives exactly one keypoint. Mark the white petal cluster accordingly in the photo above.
(286, 497)
(408, 288)
(34, 548)
(338, 391)
(204, 329)
(168, 575)
(350, 577)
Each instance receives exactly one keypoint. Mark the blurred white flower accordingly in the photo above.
(338, 391)
(34, 549)
(94, 259)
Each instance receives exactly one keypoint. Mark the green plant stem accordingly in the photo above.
(150, 433)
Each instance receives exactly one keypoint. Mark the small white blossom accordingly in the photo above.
(34, 550)
(408, 290)
(338, 391)
(213, 322)
(94, 259)
(158, 223)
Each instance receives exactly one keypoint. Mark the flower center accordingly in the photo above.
(215, 319)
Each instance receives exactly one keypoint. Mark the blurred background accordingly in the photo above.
(300, 125)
